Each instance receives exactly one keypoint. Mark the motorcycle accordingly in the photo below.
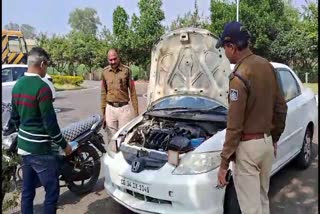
(79, 171)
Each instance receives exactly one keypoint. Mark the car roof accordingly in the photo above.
(274, 64)
(14, 65)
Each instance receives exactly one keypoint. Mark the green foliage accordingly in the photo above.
(12, 26)
(138, 72)
(71, 80)
(28, 31)
(298, 46)
(83, 49)
(121, 32)
(190, 19)
(84, 20)
(279, 33)
(221, 13)
(57, 47)
(7, 167)
(145, 31)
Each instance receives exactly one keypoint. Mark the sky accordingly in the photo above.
(51, 16)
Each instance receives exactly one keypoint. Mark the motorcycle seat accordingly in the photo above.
(73, 130)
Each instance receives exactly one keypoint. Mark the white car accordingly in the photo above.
(166, 160)
(11, 73)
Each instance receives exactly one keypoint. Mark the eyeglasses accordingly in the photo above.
(47, 63)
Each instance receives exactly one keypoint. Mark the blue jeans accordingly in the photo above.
(45, 169)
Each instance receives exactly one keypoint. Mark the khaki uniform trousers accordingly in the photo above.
(117, 117)
(252, 175)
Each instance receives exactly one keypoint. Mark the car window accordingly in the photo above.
(192, 102)
(18, 72)
(7, 75)
(289, 85)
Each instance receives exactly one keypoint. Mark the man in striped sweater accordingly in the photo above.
(33, 113)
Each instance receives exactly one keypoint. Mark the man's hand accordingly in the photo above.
(275, 147)
(222, 177)
(68, 149)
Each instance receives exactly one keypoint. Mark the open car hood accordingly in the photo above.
(185, 61)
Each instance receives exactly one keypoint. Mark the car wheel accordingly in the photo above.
(231, 204)
(304, 157)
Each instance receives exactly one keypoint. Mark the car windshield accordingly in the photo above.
(6, 75)
(18, 72)
(185, 102)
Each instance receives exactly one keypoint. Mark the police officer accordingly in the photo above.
(256, 119)
(116, 85)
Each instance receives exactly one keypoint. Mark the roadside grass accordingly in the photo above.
(67, 87)
(313, 86)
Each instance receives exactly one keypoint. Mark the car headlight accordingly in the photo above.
(197, 163)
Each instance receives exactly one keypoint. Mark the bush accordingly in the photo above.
(139, 72)
(72, 80)
(312, 77)
(12, 200)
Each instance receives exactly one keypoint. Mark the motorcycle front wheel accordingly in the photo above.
(86, 170)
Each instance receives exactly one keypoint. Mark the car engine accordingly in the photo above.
(163, 135)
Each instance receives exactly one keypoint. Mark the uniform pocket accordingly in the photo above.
(123, 84)
(110, 84)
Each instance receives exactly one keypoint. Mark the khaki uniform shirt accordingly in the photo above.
(256, 104)
(116, 84)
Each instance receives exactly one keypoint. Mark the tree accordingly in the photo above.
(28, 31)
(121, 32)
(106, 35)
(83, 50)
(190, 19)
(221, 13)
(145, 31)
(298, 45)
(12, 26)
(264, 20)
(84, 20)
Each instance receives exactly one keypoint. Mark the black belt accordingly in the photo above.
(117, 105)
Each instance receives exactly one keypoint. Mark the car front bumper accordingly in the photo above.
(167, 193)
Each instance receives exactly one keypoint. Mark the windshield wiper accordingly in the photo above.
(172, 108)
(199, 110)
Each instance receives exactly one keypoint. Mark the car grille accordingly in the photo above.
(142, 197)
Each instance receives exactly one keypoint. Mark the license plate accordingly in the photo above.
(134, 186)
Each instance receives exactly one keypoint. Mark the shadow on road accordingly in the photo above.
(69, 197)
(293, 190)
(107, 205)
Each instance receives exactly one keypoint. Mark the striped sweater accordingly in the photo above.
(33, 113)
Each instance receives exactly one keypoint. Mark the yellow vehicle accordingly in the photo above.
(14, 47)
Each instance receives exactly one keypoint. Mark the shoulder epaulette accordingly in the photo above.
(245, 81)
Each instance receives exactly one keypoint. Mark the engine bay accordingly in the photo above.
(177, 135)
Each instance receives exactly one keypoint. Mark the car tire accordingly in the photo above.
(303, 159)
(231, 204)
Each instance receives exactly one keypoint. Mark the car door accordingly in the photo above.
(290, 141)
